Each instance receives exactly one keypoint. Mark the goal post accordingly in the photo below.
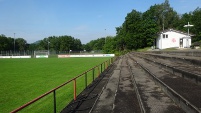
(41, 54)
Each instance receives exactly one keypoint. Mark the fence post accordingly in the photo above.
(98, 71)
(101, 68)
(104, 65)
(74, 89)
(85, 79)
(93, 73)
(55, 107)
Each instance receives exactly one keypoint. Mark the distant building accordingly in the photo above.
(173, 39)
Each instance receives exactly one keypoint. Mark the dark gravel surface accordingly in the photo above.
(188, 89)
(153, 98)
(126, 99)
(113, 91)
(184, 63)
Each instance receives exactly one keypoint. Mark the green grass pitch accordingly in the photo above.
(22, 80)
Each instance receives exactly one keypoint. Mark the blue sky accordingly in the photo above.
(86, 20)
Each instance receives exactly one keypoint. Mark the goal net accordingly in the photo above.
(41, 54)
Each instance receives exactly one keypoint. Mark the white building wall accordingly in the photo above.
(189, 42)
(186, 42)
(172, 39)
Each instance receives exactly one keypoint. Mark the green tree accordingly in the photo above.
(95, 44)
(77, 45)
(20, 44)
(3, 43)
(129, 34)
(184, 19)
(110, 45)
(196, 16)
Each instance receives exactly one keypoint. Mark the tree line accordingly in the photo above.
(139, 30)
(52, 43)
(8, 43)
(57, 43)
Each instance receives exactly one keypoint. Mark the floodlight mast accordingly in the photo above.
(105, 36)
(14, 43)
(188, 26)
(48, 48)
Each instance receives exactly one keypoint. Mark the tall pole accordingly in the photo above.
(165, 10)
(163, 17)
(14, 43)
(48, 48)
(163, 22)
(105, 36)
(188, 26)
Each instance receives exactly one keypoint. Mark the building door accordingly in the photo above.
(181, 43)
(187, 43)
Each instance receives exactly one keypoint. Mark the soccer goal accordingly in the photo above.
(41, 54)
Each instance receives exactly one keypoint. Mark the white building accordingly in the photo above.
(173, 39)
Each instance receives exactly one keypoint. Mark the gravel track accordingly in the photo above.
(188, 89)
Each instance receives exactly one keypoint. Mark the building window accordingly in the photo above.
(166, 36)
(163, 35)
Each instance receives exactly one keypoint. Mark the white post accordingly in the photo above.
(188, 26)
(188, 29)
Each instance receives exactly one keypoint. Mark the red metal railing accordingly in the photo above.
(106, 64)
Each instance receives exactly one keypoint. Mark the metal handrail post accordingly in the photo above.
(74, 85)
(93, 73)
(55, 105)
(85, 79)
(101, 68)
